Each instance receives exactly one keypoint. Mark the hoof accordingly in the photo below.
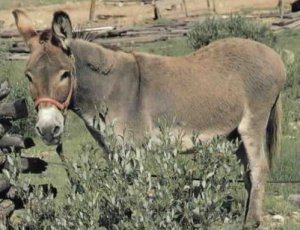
(251, 224)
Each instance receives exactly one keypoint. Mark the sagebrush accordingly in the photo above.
(214, 28)
(149, 187)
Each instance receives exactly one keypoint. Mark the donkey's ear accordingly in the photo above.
(61, 26)
(24, 25)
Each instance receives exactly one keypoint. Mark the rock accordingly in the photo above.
(294, 215)
(4, 184)
(278, 219)
(151, 193)
(171, 7)
(6, 208)
(279, 197)
(226, 220)
(294, 198)
(17, 217)
(288, 56)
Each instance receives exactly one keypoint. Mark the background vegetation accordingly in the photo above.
(124, 193)
(214, 28)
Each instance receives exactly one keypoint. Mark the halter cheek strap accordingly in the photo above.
(60, 105)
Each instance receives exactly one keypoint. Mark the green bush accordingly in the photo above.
(214, 28)
(185, 193)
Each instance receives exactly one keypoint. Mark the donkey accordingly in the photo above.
(231, 86)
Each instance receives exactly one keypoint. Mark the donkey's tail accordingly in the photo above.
(273, 135)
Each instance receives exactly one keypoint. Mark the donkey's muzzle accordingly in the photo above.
(50, 135)
(50, 125)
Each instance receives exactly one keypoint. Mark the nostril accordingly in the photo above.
(39, 131)
(56, 130)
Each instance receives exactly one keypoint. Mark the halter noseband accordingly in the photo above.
(60, 105)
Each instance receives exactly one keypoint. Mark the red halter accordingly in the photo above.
(61, 106)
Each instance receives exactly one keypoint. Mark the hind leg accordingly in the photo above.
(252, 131)
(242, 157)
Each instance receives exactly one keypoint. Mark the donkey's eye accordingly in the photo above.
(65, 75)
(92, 67)
(28, 77)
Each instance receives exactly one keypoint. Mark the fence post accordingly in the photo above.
(281, 8)
(214, 6)
(208, 4)
(157, 14)
(92, 10)
(185, 8)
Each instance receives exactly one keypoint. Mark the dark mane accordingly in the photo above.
(94, 37)
(47, 35)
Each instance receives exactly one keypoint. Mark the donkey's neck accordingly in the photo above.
(115, 86)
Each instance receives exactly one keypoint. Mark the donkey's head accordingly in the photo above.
(49, 71)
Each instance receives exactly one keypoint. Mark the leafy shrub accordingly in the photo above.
(124, 194)
(235, 26)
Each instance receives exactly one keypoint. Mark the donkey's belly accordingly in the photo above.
(216, 119)
(217, 124)
(186, 136)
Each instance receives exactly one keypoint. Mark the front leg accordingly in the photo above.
(96, 125)
(99, 137)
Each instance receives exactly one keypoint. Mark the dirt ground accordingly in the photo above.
(131, 13)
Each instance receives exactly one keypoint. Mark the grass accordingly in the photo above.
(289, 156)
(286, 166)
(288, 40)
(74, 138)
(174, 47)
(286, 169)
